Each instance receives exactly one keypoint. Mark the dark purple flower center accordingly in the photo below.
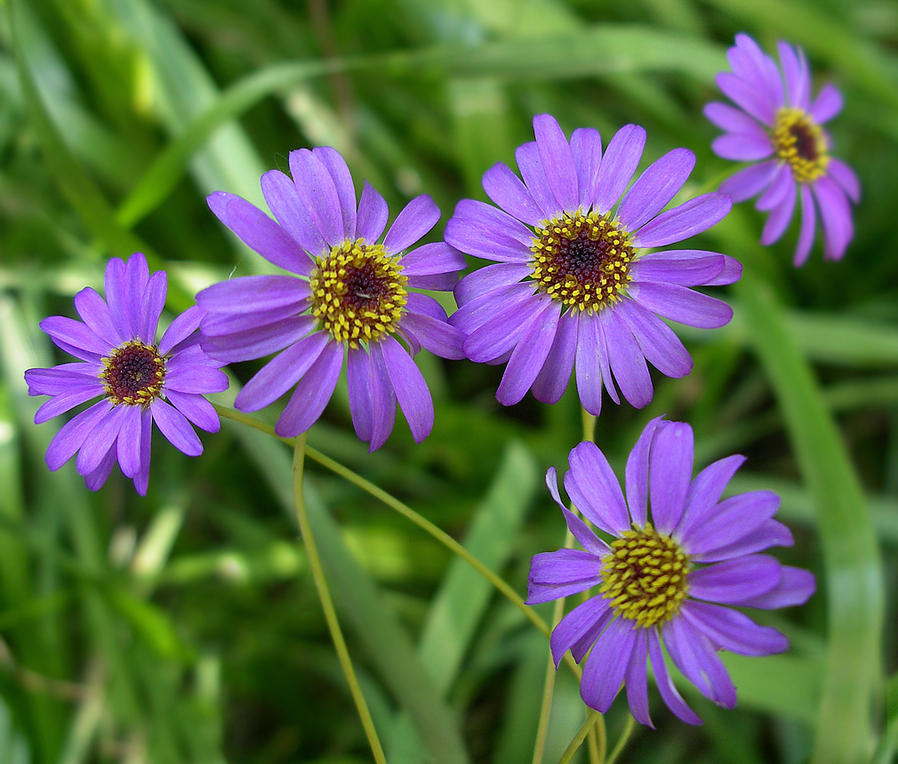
(645, 576)
(133, 374)
(582, 260)
(799, 141)
(358, 292)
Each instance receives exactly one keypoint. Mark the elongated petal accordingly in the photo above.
(74, 433)
(373, 214)
(416, 219)
(581, 626)
(66, 401)
(586, 146)
(731, 630)
(704, 493)
(682, 304)
(95, 313)
(795, 587)
(281, 373)
(529, 354)
(562, 573)
(383, 400)
(627, 361)
(594, 489)
(180, 329)
(196, 408)
(358, 380)
(654, 189)
(694, 655)
(62, 378)
(318, 194)
(618, 165)
(75, 334)
(288, 247)
(687, 220)
(590, 359)
(827, 104)
(175, 427)
(808, 227)
(749, 182)
(637, 472)
(735, 582)
(102, 437)
(411, 390)
(489, 278)
(607, 664)
(767, 534)
(534, 174)
(686, 267)
(636, 680)
(553, 378)
(657, 341)
(253, 294)
(670, 469)
(257, 343)
(558, 161)
(669, 693)
(339, 172)
(312, 393)
(508, 191)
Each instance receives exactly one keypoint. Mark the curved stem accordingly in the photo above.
(592, 718)
(330, 614)
(427, 526)
(625, 736)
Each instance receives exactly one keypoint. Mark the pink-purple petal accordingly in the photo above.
(254, 294)
(509, 193)
(589, 364)
(654, 189)
(845, 177)
(696, 657)
(176, 429)
(553, 377)
(636, 680)
(65, 401)
(627, 361)
(383, 400)
(196, 408)
(586, 146)
(657, 341)
(489, 278)
(373, 214)
(562, 573)
(637, 472)
(594, 489)
(318, 194)
(339, 172)
(95, 313)
(686, 267)
(779, 218)
(743, 147)
(795, 587)
(682, 304)
(529, 354)
(312, 393)
(416, 219)
(670, 468)
(411, 390)
(618, 164)
(180, 329)
(750, 182)
(358, 375)
(692, 217)
(430, 259)
(731, 630)
(73, 434)
(582, 625)
(74, 334)
(669, 693)
(827, 104)
(558, 161)
(736, 581)
(534, 175)
(607, 665)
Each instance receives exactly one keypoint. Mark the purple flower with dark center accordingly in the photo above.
(574, 284)
(141, 380)
(349, 296)
(667, 575)
(780, 129)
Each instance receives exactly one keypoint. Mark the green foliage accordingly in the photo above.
(184, 626)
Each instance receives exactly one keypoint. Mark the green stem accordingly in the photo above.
(625, 736)
(330, 614)
(406, 511)
(542, 728)
(592, 718)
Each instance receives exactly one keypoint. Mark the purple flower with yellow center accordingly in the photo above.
(141, 380)
(780, 129)
(574, 284)
(670, 563)
(350, 295)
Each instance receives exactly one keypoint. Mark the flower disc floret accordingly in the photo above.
(133, 374)
(583, 261)
(358, 292)
(799, 141)
(645, 576)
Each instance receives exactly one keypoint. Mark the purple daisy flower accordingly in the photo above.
(141, 381)
(350, 296)
(573, 284)
(704, 558)
(780, 129)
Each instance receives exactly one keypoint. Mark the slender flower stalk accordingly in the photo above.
(574, 285)
(779, 128)
(141, 380)
(349, 297)
(678, 559)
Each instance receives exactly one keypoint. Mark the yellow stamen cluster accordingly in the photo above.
(645, 576)
(582, 260)
(133, 374)
(358, 292)
(800, 141)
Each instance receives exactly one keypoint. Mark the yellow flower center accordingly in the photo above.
(800, 141)
(583, 261)
(645, 576)
(133, 374)
(358, 292)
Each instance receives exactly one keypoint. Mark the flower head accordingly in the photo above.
(349, 295)
(779, 128)
(667, 575)
(574, 284)
(141, 380)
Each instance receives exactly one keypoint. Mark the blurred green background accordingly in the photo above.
(184, 626)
